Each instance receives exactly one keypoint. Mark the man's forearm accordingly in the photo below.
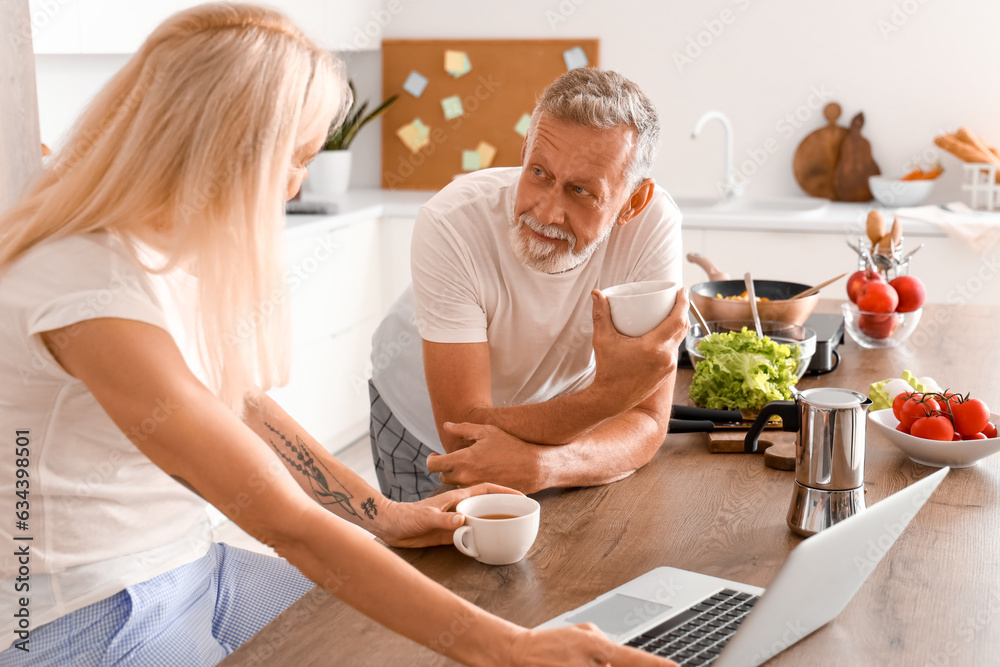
(612, 450)
(558, 421)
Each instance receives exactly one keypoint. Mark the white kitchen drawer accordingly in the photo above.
(327, 392)
(334, 280)
(396, 234)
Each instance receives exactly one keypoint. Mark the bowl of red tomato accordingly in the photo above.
(875, 330)
(939, 429)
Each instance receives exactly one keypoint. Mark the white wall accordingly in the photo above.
(938, 70)
(915, 68)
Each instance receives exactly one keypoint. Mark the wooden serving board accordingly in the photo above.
(778, 446)
(850, 181)
(816, 158)
(834, 162)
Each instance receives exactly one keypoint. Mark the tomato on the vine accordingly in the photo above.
(917, 407)
(971, 416)
(936, 427)
(897, 403)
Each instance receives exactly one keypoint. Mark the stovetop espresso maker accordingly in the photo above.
(829, 454)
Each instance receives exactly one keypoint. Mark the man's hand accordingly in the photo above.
(630, 369)
(431, 521)
(494, 455)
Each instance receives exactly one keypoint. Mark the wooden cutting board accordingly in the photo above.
(835, 162)
(850, 181)
(778, 446)
(816, 158)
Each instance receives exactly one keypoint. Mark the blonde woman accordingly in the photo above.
(141, 294)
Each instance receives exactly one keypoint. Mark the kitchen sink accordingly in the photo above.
(687, 203)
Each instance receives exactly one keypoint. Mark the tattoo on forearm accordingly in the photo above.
(369, 508)
(301, 458)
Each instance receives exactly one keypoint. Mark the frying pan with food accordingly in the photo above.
(778, 306)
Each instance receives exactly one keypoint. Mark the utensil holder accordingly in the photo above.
(981, 184)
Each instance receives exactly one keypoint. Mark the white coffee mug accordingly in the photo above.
(636, 308)
(497, 541)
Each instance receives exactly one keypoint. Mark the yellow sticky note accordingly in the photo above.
(452, 107)
(414, 135)
(486, 152)
(457, 63)
(522, 125)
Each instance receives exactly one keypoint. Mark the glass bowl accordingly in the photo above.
(801, 339)
(878, 330)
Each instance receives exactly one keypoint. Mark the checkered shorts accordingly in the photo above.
(400, 459)
(194, 615)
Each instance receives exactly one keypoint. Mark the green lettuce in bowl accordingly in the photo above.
(739, 370)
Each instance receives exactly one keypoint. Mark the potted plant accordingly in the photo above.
(330, 171)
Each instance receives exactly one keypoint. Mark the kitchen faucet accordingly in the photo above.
(729, 188)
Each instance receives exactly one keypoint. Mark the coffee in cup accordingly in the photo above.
(636, 308)
(499, 527)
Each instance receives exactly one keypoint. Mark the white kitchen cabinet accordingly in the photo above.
(121, 26)
(328, 390)
(55, 26)
(341, 279)
(952, 271)
(334, 280)
(395, 235)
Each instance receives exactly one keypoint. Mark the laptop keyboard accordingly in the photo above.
(698, 635)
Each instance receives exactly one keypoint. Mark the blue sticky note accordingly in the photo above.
(415, 84)
(471, 160)
(452, 107)
(575, 58)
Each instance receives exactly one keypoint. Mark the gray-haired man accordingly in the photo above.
(504, 364)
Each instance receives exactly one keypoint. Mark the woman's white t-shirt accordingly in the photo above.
(100, 516)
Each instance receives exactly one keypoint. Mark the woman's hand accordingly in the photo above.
(431, 521)
(577, 645)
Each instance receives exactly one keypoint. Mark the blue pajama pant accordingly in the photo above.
(194, 615)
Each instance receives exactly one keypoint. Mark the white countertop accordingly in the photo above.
(835, 218)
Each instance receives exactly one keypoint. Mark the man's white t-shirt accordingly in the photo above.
(99, 515)
(470, 287)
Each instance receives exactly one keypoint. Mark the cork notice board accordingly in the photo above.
(505, 80)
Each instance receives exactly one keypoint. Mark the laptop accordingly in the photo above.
(696, 619)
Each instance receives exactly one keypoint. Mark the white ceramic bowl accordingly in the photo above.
(935, 453)
(895, 193)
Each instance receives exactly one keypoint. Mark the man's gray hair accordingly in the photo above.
(603, 99)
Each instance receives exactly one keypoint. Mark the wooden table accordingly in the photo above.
(934, 599)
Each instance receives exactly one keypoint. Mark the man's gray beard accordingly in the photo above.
(546, 257)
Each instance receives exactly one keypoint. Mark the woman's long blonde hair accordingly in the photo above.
(187, 150)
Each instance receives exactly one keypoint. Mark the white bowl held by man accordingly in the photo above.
(637, 308)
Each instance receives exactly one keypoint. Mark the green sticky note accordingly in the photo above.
(452, 107)
(422, 130)
(522, 125)
(471, 160)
